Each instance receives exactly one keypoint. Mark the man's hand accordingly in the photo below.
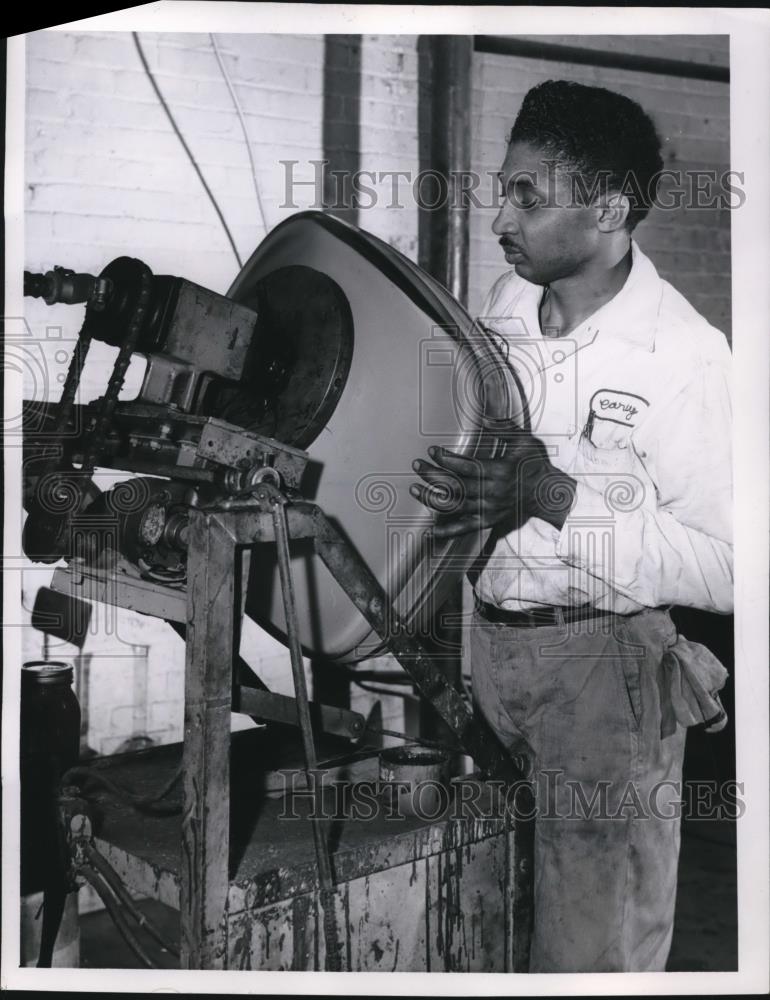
(474, 493)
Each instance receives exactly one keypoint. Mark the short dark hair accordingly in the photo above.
(595, 132)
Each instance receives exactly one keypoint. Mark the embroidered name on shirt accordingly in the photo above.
(629, 410)
(620, 407)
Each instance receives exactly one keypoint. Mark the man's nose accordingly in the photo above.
(505, 220)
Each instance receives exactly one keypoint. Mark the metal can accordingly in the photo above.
(413, 780)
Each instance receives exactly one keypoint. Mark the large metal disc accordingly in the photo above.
(419, 374)
(299, 360)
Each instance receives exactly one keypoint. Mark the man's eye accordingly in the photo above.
(525, 198)
(522, 196)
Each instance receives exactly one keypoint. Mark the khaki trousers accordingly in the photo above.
(585, 699)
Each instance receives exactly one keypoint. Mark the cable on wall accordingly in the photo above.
(186, 148)
(242, 120)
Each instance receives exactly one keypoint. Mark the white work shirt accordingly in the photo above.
(635, 405)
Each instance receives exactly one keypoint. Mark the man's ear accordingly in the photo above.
(612, 213)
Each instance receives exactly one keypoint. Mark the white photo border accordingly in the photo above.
(749, 31)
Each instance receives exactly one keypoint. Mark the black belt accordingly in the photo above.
(538, 616)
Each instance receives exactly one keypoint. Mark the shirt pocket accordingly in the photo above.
(606, 444)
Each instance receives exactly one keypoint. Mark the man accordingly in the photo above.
(614, 507)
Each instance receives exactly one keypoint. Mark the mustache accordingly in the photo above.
(506, 243)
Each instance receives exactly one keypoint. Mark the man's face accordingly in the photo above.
(544, 231)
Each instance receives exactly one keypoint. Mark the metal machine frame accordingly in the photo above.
(212, 611)
(238, 480)
(219, 536)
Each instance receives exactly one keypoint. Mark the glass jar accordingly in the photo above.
(49, 738)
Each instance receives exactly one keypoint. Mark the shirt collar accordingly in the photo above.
(632, 314)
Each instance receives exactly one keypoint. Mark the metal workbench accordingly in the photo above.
(446, 895)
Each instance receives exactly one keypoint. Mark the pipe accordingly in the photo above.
(505, 45)
(110, 876)
(445, 138)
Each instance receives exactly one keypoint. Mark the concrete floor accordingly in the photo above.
(705, 931)
(706, 923)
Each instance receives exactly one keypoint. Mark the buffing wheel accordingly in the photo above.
(373, 362)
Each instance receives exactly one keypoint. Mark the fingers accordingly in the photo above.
(484, 490)
(437, 498)
(468, 468)
(461, 477)
(456, 526)
(435, 476)
(450, 488)
(450, 524)
(445, 497)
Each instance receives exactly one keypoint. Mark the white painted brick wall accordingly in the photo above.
(389, 139)
(106, 172)
(691, 248)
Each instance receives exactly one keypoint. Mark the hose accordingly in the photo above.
(144, 803)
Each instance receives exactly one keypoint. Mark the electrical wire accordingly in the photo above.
(365, 753)
(186, 148)
(379, 649)
(111, 877)
(387, 693)
(367, 750)
(419, 740)
(242, 120)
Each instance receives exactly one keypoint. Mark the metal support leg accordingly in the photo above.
(365, 591)
(208, 696)
(319, 827)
